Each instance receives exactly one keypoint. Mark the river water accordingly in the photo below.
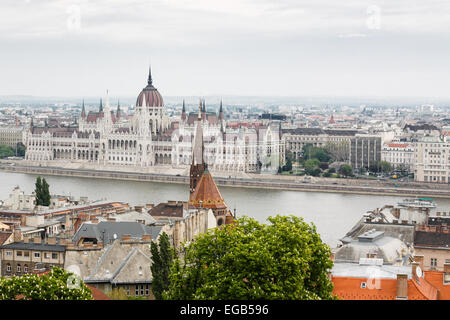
(333, 214)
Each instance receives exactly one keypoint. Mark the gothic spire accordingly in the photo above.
(183, 112)
(83, 110)
(118, 109)
(150, 81)
(101, 106)
(200, 110)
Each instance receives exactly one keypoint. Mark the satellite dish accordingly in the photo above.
(418, 272)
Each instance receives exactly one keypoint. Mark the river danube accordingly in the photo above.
(333, 214)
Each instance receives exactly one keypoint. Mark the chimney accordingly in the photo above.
(402, 286)
(419, 260)
(126, 237)
(138, 208)
(51, 240)
(26, 239)
(37, 240)
(146, 237)
(17, 235)
(110, 219)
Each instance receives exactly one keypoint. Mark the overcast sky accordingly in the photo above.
(217, 47)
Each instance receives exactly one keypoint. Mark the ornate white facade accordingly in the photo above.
(149, 139)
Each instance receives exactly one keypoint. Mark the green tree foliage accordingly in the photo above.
(42, 192)
(162, 259)
(385, 166)
(58, 284)
(6, 151)
(311, 152)
(45, 193)
(312, 167)
(20, 150)
(289, 158)
(285, 259)
(38, 191)
(346, 170)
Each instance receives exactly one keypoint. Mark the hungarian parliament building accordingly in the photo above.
(149, 138)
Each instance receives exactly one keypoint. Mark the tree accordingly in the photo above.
(311, 152)
(45, 193)
(38, 191)
(339, 151)
(162, 260)
(58, 284)
(20, 150)
(285, 259)
(346, 170)
(385, 166)
(42, 192)
(311, 167)
(6, 151)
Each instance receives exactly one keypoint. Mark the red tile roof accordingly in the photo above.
(397, 145)
(207, 192)
(349, 288)
(97, 293)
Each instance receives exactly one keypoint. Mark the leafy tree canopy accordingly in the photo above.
(346, 170)
(6, 151)
(285, 259)
(58, 284)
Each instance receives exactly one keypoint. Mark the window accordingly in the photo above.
(18, 268)
(363, 285)
(26, 253)
(142, 289)
(46, 255)
(8, 267)
(146, 289)
(25, 268)
(18, 253)
(433, 262)
(127, 287)
(54, 256)
(137, 290)
(37, 254)
(9, 253)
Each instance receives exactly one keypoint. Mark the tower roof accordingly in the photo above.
(206, 194)
(149, 95)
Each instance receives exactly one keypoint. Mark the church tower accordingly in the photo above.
(198, 164)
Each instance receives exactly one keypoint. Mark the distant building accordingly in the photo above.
(149, 139)
(12, 135)
(365, 151)
(432, 159)
(399, 155)
(296, 139)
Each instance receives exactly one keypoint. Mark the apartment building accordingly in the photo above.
(432, 159)
(399, 154)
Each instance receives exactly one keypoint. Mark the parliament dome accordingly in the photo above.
(150, 95)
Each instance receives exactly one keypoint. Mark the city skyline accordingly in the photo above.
(204, 48)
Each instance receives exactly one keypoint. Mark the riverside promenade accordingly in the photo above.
(261, 181)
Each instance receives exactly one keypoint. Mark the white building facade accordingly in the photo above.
(150, 139)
